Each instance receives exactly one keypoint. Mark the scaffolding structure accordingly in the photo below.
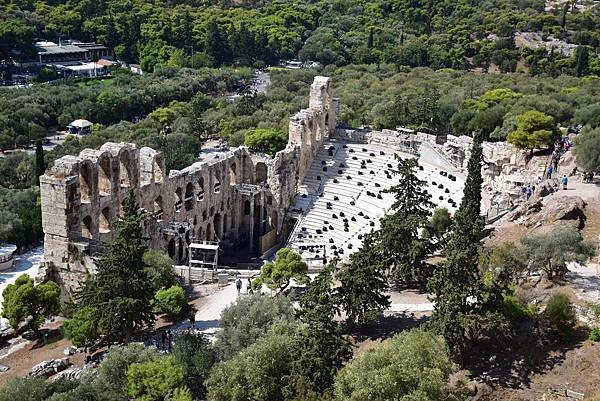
(203, 256)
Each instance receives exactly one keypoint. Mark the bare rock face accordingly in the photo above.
(536, 213)
(544, 189)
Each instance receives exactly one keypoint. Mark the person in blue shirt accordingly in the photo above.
(564, 181)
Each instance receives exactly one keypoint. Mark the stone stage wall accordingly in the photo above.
(234, 196)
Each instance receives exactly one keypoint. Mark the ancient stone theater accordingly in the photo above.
(318, 196)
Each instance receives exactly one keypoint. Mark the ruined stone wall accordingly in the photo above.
(231, 196)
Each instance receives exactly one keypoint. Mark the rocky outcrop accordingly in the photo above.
(537, 213)
(49, 368)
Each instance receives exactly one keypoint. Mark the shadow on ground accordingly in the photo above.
(511, 363)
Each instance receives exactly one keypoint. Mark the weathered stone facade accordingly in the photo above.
(231, 195)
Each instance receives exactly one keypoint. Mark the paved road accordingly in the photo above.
(207, 317)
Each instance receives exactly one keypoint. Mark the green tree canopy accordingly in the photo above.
(197, 356)
(362, 293)
(413, 365)
(587, 149)
(154, 380)
(249, 318)
(288, 265)
(266, 140)
(534, 129)
(26, 302)
(121, 292)
(551, 251)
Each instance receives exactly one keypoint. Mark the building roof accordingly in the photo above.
(52, 48)
(80, 124)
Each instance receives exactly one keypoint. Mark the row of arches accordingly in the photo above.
(105, 220)
(107, 171)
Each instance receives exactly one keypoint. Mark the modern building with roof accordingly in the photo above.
(69, 51)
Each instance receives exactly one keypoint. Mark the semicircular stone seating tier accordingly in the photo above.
(343, 197)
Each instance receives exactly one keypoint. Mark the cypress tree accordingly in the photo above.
(399, 241)
(457, 286)
(325, 347)
(582, 63)
(40, 165)
(121, 291)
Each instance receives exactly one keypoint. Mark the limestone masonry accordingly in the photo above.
(319, 195)
(232, 196)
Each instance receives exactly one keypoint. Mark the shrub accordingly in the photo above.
(83, 328)
(413, 365)
(112, 370)
(560, 315)
(170, 302)
(249, 319)
(154, 380)
(514, 310)
(595, 334)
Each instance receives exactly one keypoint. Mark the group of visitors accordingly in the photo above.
(239, 284)
(164, 340)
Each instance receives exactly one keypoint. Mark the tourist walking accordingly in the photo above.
(528, 191)
(249, 286)
(238, 285)
(549, 172)
(564, 180)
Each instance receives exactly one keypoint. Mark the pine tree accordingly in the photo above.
(363, 283)
(582, 66)
(215, 44)
(462, 301)
(121, 291)
(325, 347)
(403, 250)
(40, 165)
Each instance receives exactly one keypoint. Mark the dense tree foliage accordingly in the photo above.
(465, 307)
(438, 34)
(154, 380)
(26, 303)
(197, 356)
(400, 241)
(587, 149)
(550, 252)
(20, 216)
(362, 293)
(26, 114)
(120, 293)
(247, 320)
(413, 365)
(287, 265)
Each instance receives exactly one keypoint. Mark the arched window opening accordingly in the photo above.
(158, 171)
(189, 196)
(104, 176)
(171, 248)
(261, 172)
(125, 169)
(200, 193)
(158, 208)
(178, 199)
(180, 253)
(105, 220)
(247, 208)
(225, 223)
(85, 182)
(232, 175)
(217, 186)
(208, 232)
(204, 215)
(273, 219)
(218, 225)
(86, 227)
